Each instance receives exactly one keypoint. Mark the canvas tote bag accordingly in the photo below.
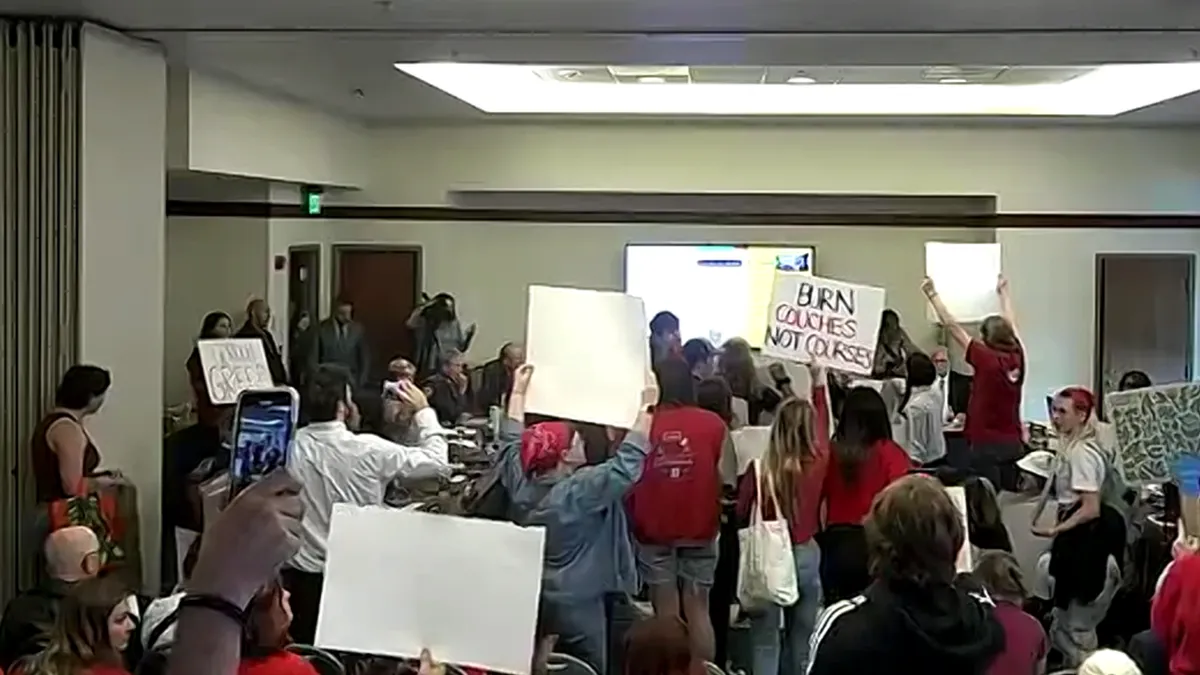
(766, 570)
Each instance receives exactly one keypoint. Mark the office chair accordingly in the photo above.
(565, 664)
(324, 662)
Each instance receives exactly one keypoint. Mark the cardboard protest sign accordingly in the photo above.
(565, 329)
(963, 563)
(1155, 427)
(965, 276)
(233, 366)
(829, 322)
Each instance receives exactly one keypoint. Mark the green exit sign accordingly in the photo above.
(312, 201)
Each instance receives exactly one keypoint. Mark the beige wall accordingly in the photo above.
(213, 264)
(122, 262)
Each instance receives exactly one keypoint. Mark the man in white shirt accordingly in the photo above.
(941, 361)
(336, 465)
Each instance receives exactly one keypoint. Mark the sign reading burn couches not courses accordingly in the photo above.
(832, 323)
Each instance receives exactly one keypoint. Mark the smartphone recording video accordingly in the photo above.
(263, 427)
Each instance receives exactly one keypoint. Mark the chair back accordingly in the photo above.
(565, 664)
(321, 660)
(712, 668)
(1069, 671)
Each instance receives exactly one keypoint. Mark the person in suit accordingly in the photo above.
(497, 376)
(258, 322)
(449, 391)
(342, 341)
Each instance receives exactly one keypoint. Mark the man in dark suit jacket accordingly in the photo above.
(258, 320)
(449, 390)
(342, 341)
(497, 377)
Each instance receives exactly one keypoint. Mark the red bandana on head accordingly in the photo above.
(544, 445)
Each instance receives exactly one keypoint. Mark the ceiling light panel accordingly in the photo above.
(1098, 91)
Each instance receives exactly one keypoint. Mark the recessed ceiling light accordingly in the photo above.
(801, 79)
(1102, 91)
(652, 79)
(569, 73)
(952, 80)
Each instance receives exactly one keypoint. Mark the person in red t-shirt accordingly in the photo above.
(864, 460)
(993, 425)
(265, 639)
(675, 507)
(797, 458)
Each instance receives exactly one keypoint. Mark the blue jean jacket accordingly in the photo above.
(589, 548)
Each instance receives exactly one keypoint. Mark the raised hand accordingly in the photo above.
(521, 379)
(928, 288)
(411, 394)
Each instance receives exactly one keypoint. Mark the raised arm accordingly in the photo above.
(947, 319)
(416, 319)
(1006, 305)
(820, 400)
(429, 457)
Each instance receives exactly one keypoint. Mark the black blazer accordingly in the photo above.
(271, 348)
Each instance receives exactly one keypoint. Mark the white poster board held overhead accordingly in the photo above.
(233, 366)
(965, 276)
(397, 582)
(589, 352)
(832, 323)
(963, 563)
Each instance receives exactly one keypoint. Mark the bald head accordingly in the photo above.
(258, 312)
(73, 554)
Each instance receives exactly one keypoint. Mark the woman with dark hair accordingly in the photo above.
(92, 629)
(736, 365)
(993, 425)
(864, 461)
(914, 617)
(216, 326)
(919, 420)
(986, 530)
(265, 636)
(713, 394)
(675, 507)
(892, 347)
(64, 457)
(664, 336)
(437, 332)
(700, 357)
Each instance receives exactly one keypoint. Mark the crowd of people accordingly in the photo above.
(857, 469)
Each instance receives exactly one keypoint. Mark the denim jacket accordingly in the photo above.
(589, 548)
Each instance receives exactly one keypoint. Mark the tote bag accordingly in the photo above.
(766, 570)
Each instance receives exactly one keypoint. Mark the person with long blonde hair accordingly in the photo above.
(795, 461)
(89, 635)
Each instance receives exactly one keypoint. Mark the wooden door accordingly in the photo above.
(1144, 317)
(383, 285)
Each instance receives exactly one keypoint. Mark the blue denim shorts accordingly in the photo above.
(692, 565)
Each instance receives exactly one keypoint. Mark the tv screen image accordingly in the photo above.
(717, 291)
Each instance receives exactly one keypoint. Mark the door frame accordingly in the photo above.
(335, 278)
(1097, 342)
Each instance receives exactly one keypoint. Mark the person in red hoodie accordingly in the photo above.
(864, 460)
(993, 425)
(265, 636)
(675, 507)
(92, 630)
(1175, 615)
(796, 458)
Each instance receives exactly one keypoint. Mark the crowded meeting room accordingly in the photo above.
(370, 337)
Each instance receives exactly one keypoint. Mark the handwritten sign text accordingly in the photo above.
(233, 366)
(824, 321)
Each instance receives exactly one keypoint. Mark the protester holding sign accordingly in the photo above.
(216, 326)
(993, 424)
(589, 551)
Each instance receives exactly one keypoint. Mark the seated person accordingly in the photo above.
(72, 555)
(448, 390)
(498, 377)
(913, 618)
(94, 626)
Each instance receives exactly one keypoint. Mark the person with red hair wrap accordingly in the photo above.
(589, 552)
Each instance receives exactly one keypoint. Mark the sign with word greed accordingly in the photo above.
(233, 366)
(832, 323)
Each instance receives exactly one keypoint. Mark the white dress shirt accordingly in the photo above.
(943, 387)
(335, 465)
(924, 440)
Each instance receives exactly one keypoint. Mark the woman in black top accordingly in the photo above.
(64, 457)
(736, 366)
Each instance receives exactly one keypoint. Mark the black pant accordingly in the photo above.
(997, 462)
(1149, 653)
(724, 588)
(305, 588)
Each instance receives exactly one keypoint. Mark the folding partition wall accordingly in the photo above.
(39, 257)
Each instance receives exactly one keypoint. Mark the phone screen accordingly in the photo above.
(262, 435)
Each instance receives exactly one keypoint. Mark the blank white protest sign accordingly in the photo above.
(959, 497)
(965, 276)
(397, 582)
(589, 352)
